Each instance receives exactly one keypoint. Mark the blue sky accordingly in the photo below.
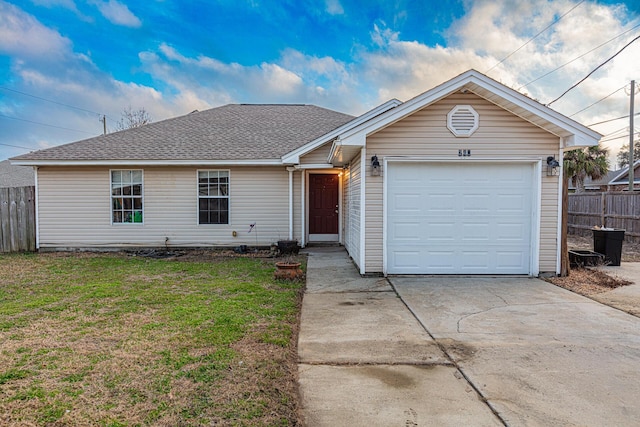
(64, 63)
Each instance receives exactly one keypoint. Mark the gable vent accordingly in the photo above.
(462, 120)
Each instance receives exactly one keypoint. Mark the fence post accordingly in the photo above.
(603, 209)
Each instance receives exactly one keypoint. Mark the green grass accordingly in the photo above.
(116, 340)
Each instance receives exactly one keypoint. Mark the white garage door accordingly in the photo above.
(459, 218)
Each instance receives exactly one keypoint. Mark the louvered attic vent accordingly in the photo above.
(462, 120)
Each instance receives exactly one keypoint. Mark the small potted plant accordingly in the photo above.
(288, 269)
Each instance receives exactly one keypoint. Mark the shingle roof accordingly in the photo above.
(230, 132)
(15, 176)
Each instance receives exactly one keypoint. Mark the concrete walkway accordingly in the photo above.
(447, 351)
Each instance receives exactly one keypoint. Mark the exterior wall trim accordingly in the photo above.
(290, 170)
(560, 212)
(333, 171)
(196, 207)
(363, 210)
(37, 210)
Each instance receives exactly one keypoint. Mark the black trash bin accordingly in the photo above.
(609, 243)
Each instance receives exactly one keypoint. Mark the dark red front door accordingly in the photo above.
(323, 204)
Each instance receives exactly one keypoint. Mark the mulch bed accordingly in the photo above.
(587, 281)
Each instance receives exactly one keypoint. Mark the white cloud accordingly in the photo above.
(118, 13)
(68, 4)
(333, 7)
(497, 28)
(23, 36)
(392, 67)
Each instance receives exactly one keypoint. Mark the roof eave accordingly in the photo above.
(293, 157)
(134, 162)
(573, 134)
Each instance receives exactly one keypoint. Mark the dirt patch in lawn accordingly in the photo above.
(587, 281)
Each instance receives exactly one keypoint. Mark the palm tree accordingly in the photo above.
(585, 162)
(578, 164)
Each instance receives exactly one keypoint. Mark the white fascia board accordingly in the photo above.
(546, 113)
(315, 166)
(579, 140)
(356, 140)
(293, 157)
(585, 135)
(256, 162)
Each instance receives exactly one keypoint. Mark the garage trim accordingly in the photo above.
(534, 262)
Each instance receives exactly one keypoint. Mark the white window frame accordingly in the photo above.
(112, 196)
(198, 197)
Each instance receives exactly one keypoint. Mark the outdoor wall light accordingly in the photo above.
(553, 167)
(375, 166)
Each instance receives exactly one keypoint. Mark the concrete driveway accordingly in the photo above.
(461, 351)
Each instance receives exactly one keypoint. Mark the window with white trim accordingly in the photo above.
(213, 197)
(126, 197)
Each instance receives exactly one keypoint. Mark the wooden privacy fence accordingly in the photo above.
(17, 219)
(611, 209)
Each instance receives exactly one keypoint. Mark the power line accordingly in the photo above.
(18, 146)
(594, 70)
(534, 37)
(613, 120)
(51, 101)
(45, 124)
(581, 56)
(598, 101)
(619, 137)
(622, 129)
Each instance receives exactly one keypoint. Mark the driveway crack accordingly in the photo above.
(453, 362)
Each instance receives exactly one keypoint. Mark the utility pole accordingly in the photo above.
(103, 119)
(632, 172)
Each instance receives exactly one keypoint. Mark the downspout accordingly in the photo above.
(37, 210)
(560, 210)
(303, 207)
(363, 209)
(290, 169)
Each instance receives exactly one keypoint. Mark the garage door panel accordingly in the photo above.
(405, 231)
(437, 232)
(511, 203)
(478, 223)
(512, 232)
(439, 203)
(410, 203)
(475, 259)
(476, 203)
(476, 232)
(509, 260)
(408, 260)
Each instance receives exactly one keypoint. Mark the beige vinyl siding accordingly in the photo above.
(74, 208)
(353, 209)
(549, 221)
(500, 135)
(318, 156)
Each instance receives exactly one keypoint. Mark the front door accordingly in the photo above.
(323, 207)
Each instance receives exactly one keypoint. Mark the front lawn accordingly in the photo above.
(117, 340)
